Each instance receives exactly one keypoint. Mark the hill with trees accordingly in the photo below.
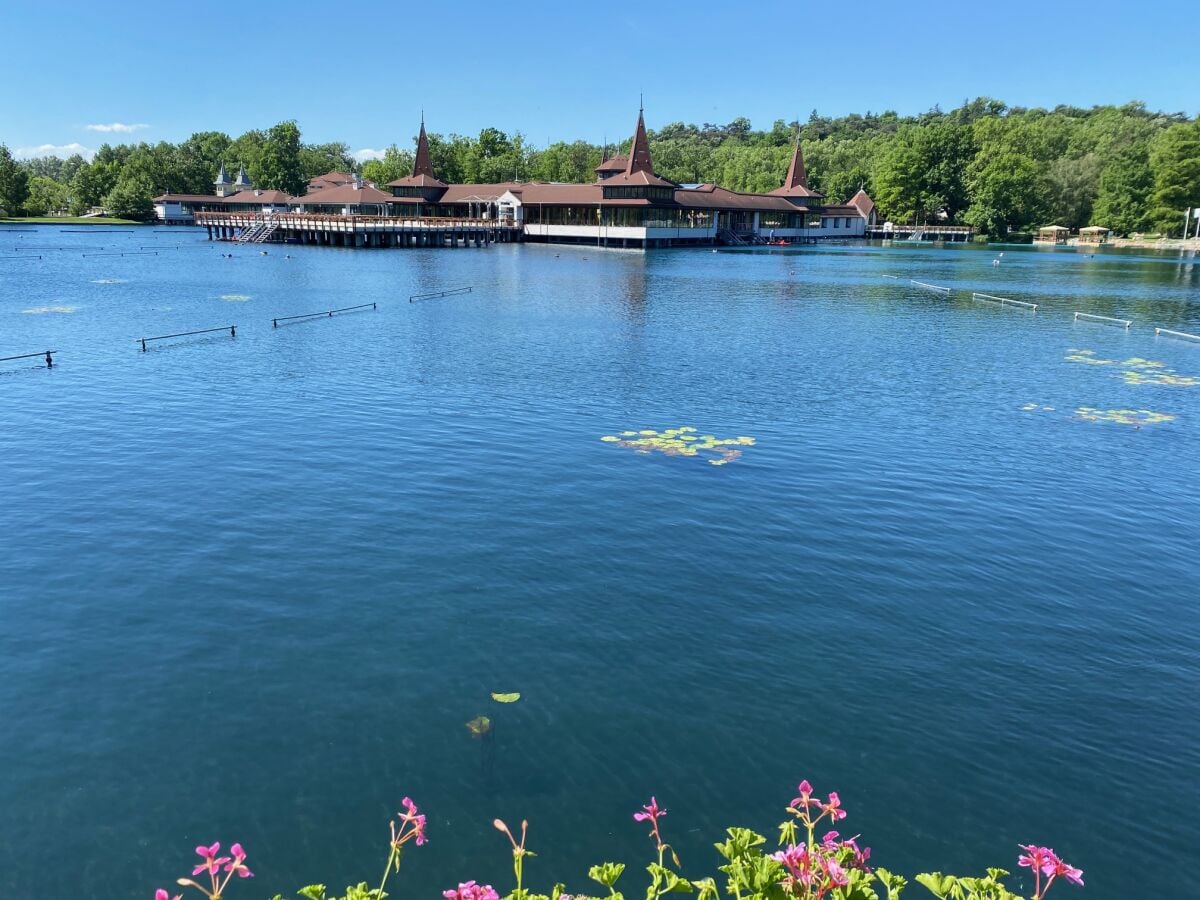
(985, 164)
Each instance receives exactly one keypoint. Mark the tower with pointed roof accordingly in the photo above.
(795, 185)
(242, 182)
(422, 184)
(223, 182)
(638, 181)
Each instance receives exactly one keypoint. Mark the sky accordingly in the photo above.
(75, 75)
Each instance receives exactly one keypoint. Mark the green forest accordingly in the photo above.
(999, 168)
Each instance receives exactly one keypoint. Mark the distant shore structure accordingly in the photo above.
(628, 206)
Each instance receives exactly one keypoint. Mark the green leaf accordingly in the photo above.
(937, 884)
(895, 884)
(606, 873)
(506, 698)
(313, 892)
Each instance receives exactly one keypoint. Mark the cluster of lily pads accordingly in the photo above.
(682, 441)
(1136, 370)
(1135, 417)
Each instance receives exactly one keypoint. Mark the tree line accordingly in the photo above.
(985, 164)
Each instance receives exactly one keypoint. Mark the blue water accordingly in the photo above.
(252, 589)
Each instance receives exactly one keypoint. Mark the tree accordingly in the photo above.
(922, 171)
(279, 165)
(1125, 190)
(317, 159)
(14, 184)
(130, 199)
(396, 163)
(46, 196)
(1072, 186)
(199, 158)
(1007, 193)
(89, 186)
(1175, 165)
(575, 162)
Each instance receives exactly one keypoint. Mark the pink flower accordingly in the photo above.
(652, 812)
(160, 894)
(415, 822)
(237, 865)
(1034, 857)
(832, 807)
(830, 841)
(804, 801)
(212, 863)
(834, 872)
(469, 890)
(860, 855)
(799, 863)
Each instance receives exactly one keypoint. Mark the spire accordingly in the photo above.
(222, 176)
(639, 152)
(422, 165)
(242, 180)
(604, 152)
(796, 176)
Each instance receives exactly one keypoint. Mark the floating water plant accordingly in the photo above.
(1028, 407)
(1134, 417)
(108, 281)
(42, 310)
(1132, 377)
(1136, 369)
(506, 698)
(479, 726)
(682, 441)
(1088, 357)
(235, 298)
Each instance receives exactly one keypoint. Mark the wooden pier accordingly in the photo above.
(355, 231)
(918, 233)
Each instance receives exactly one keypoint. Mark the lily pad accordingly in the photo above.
(1134, 417)
(506, 698)
(479, 726)
(682, 442)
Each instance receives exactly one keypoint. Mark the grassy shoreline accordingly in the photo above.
(65, 220)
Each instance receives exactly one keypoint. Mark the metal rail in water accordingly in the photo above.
(452, 292)
(45, 353)
(1178, 334)
(129, 253)
(232, 329)
(329, 313)
(932, 287)
(1081, 315)
(25, 256)
(975, 295)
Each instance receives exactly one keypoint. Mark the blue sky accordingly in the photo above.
(360, 73)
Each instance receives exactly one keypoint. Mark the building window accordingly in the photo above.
(837, 223)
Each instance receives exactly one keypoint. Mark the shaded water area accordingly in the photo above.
(253, 589)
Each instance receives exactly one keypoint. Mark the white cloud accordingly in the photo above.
(62, 151)
(117, 127)
(367, 153)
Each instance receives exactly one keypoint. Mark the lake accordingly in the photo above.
(254, 588)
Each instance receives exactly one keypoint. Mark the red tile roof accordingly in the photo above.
(344, 195)
(616, 164)
(863, 203)
(330, 179)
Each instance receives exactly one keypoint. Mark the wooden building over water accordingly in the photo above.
(629, 205)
